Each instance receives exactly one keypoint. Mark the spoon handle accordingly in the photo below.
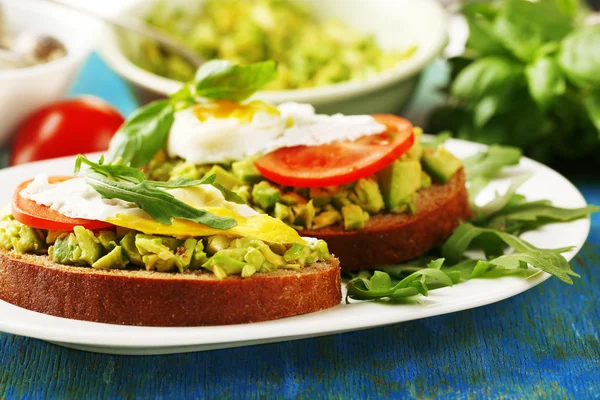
(139, 27)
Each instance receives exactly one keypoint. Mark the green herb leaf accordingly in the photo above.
(142, 135)
(487, 76)
(592, 106)
(116, 171)
(546, 81)
(159, 204)
(482, 37)
(380, 285)
(220, 79)
(547, 260)
(579, 56)
(524, 26)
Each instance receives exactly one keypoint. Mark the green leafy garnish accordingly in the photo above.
(128, 184)
(144, 133)
(220, 79)
(493, 230)
(528, 78)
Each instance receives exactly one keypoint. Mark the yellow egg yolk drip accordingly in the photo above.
(244, 112)
(261, 227)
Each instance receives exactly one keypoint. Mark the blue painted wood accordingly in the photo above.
(544, 343)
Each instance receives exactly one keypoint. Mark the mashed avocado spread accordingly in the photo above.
(391, 190)
(128, 249)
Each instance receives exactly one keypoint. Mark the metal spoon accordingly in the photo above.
(142, 28)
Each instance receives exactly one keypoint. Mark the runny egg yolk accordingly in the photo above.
(244, 112)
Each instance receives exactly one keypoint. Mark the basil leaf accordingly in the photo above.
(220, 79)
(159, 204)
(486, 75)
(142, 135)
(592, 106)
(546, 81)
(482, 37)
(579, 56)
(524, 26)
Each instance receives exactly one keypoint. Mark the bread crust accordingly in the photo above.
(146, 298)
(393, 238)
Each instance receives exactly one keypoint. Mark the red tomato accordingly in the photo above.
(73, 126)
(32, 214)
(338, 163)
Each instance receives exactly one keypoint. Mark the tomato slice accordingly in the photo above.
(32, 214)
(339, 163)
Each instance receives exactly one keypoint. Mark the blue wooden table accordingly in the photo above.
(544, 343)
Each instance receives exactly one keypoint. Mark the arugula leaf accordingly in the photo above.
(546, 81)
(220, 79)
(579, 56)
(380, 285)
(133, 175)
(143, 134)
(488, 163)
(159, 204)
(547, 260)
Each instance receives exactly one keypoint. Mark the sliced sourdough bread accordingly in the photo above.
(131, 297)
(393, 238)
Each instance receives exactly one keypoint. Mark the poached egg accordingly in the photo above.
(222, 130)
(74, 198)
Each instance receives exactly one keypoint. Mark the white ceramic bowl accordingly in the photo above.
(396, 24)
(24, 90)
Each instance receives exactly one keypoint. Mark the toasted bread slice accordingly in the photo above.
(131, 297)
(393, 238)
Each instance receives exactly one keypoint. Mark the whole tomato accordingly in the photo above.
(80, 125)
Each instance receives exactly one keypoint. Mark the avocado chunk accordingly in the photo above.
(416, 151)
(398, 181)
(128, 246)
(425, 180)
(78, 248)
(246, 171)
(91, 249)
(113, 260)
(29, 240)
(227, 179)
(265, 195)
(221, 266)
(108, 239)
(187, 170)
(199, 257)
(326, 218)
(368, 195)
(292, 199)
(282, 212)
(441, 164)
(354, 217)
(304, 214)
(320, 196)
(217, 243)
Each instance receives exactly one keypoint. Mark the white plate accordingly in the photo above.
(544, 184)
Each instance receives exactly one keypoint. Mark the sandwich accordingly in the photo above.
(366, 184)
(112, 246)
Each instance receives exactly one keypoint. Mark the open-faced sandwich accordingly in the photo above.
(365, 184)
(114, 247)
